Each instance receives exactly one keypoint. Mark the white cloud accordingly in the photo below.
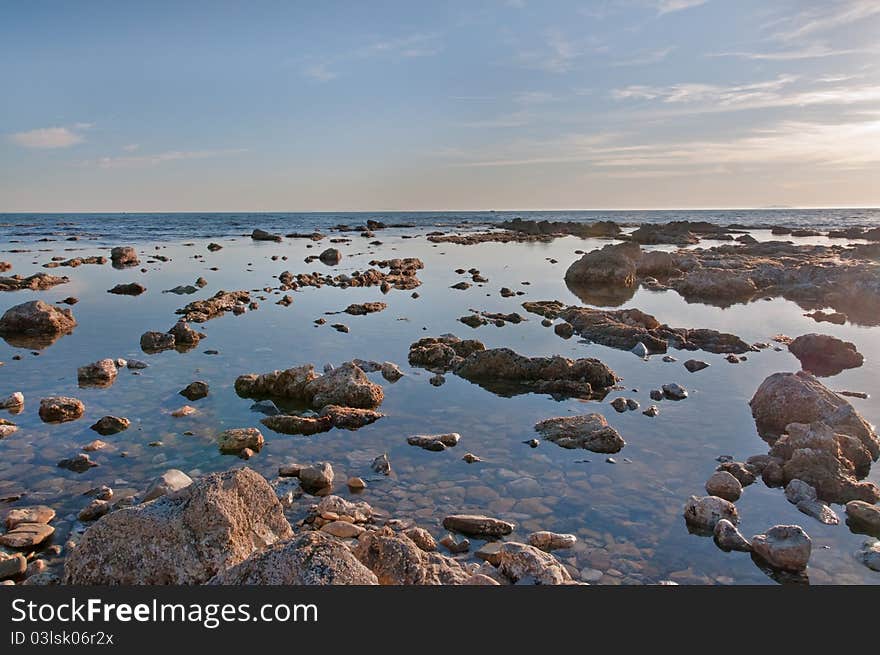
(162, 158)
(649, 57)
(320, 72)
(816, 51)
(670, 6)
(558, 53)
(50, 137)
(830, 15)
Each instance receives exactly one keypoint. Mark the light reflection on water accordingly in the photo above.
(627, 516)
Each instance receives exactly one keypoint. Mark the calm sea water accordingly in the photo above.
(111, 227)
(627, 515)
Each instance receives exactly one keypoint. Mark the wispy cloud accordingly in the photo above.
(671, 6)
(161, 158)
(558, 53)
(45, 138)
(408, 47)
(827, 16)
(815, 51)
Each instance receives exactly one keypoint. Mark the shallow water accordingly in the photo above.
(627, 515)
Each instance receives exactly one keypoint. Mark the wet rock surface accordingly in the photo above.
(589, 431)
(35, 324)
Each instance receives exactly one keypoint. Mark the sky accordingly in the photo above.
(401, 105)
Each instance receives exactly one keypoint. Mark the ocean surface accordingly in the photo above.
(111, 227)
(627, 515)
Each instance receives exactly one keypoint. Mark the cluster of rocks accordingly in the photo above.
(344, 396)
(180, 337)
(35, 282)
(498, 319)
(626, 328)
(200, 311)
(506, 372)
(75, 261)
(401, 275)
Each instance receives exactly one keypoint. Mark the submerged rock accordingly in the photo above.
(588, 431)
(704, 512)
(476, 525)
(131, 289)
(107, 425)
(728, 538)
(60, 409)
(195, 390)
(548, 541)
(182, 538)
(100, 374)
(235, 440)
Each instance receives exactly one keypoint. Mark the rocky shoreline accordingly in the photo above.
(237, 525)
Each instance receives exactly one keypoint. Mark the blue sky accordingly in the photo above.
(487, 104)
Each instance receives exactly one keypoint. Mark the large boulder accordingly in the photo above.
(589, 431)
(289, 383)
(124, 256)
(181, 538)
(397, 560)
(35, 324)
(346, 385)
(864, 517)
(612, 265)
(311, 558)
(785, 398)
(523, 564)
(785, 547)
(823, 355)
(60, 409)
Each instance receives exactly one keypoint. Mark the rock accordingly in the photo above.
(588, 431)
(200, 311)
(656, 394)
(619, 404)
(7, 429)
(316, 477)
(78, 463)
(35, 282)
(94, 510)
(184, 335)
(797, 491)
(60, 409)
(421, 538)
(652, 411)
(235, 440)
(740, 471)
(186, 410)
(470, 458)
(35, 324)
(704, 512)
(14, 402)
(26, 535)
(330, 257)
(310, 558)
(342, 529)
(864, 516)
(182, 538)
(526, 564)
(338, 506)
(785, 547)
(819, 511)
(548, 541)
(434, 441)
(266, 407)
(356, 484)
(12, 566)
(136, 364)
(195, 390)
(391, 371)
(869, 555)
(490, 552)
(123, 256)
(694, 365)
(640, 350)
(613, 265)
(382, 464)
(35, 514)
(292, 424)
(824, 355)
(674, 391)
(564, 330)
(131, 289)
(785, 398)
(107, 425)
(213, 247)
(290, 383)
(475, 525)
(169, 482)
(397, 560)
(101, 373)
(262, 235)
(340, 327)
(349, 418)
(154, 342)
(728, 538)
(724, 485)
(362, 309)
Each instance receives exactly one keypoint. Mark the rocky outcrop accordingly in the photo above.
(35, 282)
(625, 328)
(441, 354)
(614, 265)
(401, 274)
(345, 386)
(588, 431)
(263, 235)
(311, 558)
(186, 537)
(822, 354)
(35, 324)
(563, 228)
(785, 398)
(200, 311)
